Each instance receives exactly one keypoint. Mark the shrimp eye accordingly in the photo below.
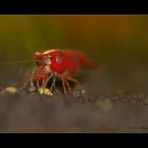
(49, 56)
(40, 62)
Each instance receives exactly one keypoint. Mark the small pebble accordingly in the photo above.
(133, 101)
(83, 92)
(32, 89)
(45, 91)
(76, 93)
(104, 104)
(145, 102)
(11, 90)
(115, 98)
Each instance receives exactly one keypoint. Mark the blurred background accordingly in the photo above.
(117, 41)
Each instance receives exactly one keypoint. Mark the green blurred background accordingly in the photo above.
(117, 41)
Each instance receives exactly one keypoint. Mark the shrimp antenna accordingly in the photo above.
(23, 61)
(30, 48)
(17, 62)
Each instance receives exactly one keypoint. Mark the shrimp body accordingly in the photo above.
(61, 63)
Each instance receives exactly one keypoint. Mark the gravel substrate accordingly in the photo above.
(110, 103)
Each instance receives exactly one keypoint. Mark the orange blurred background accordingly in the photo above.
(116, 40)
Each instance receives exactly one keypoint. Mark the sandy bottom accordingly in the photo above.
(111, 103)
